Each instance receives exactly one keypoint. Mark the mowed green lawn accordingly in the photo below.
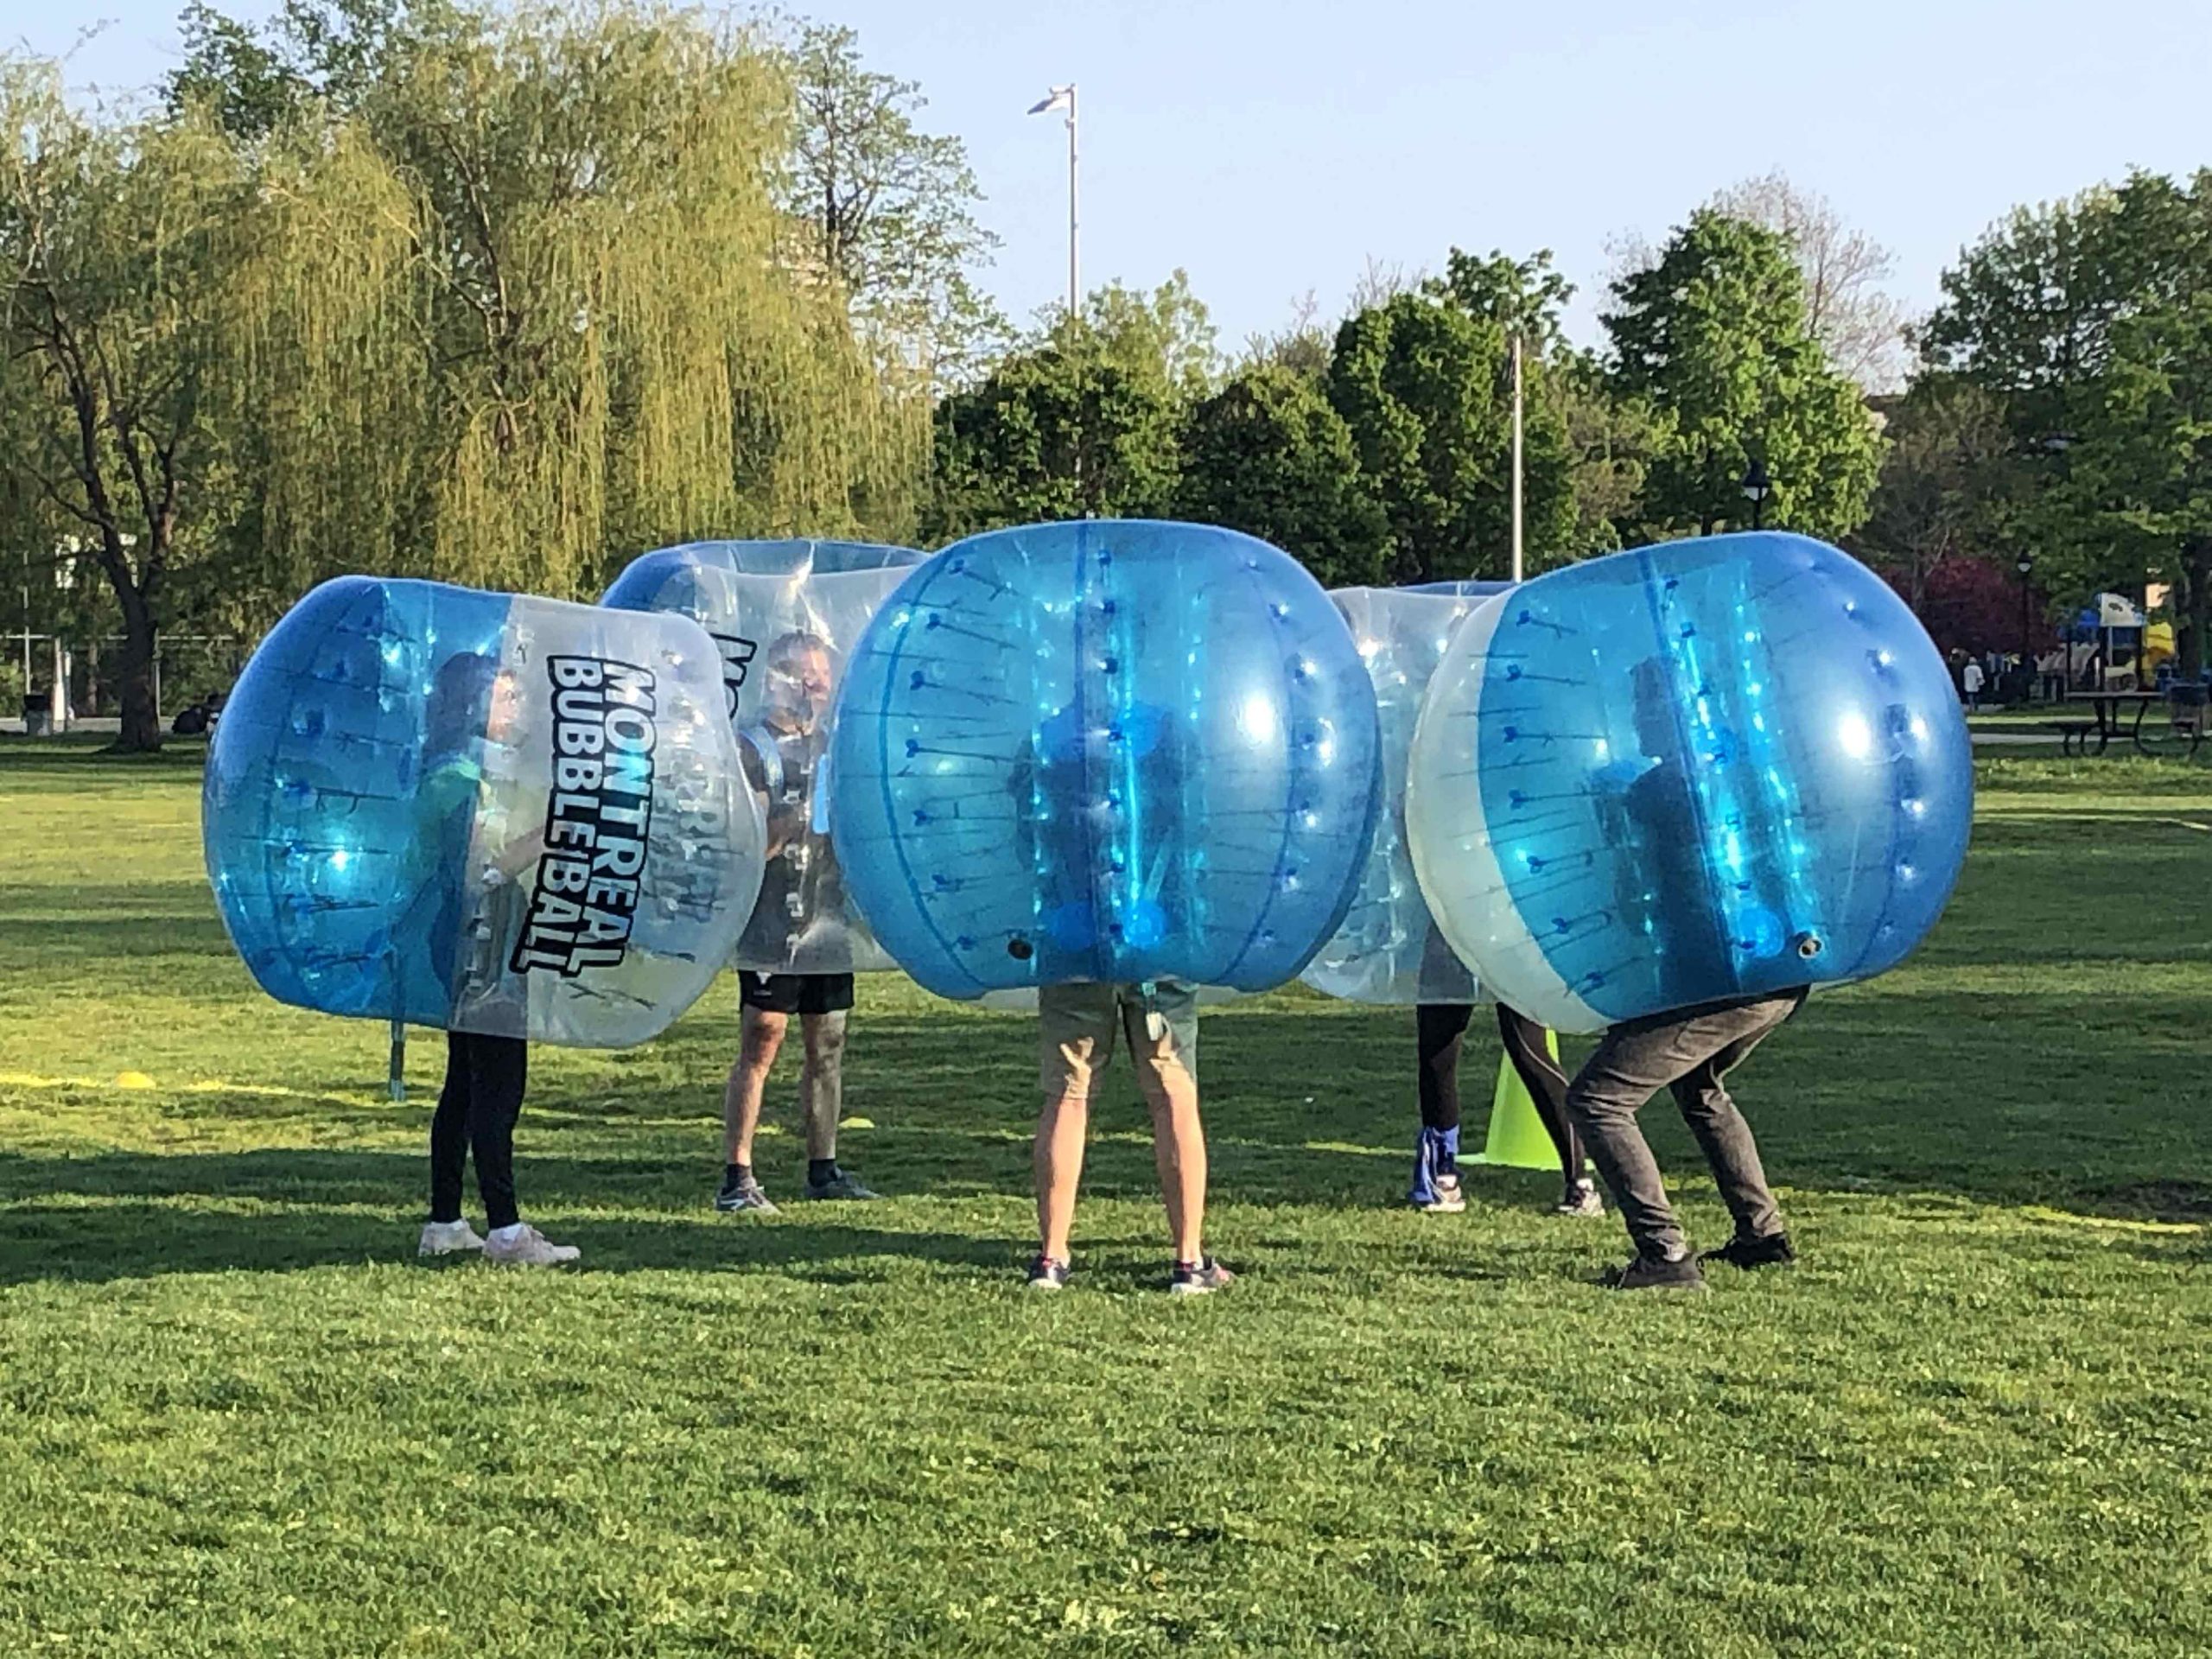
(236, 1418)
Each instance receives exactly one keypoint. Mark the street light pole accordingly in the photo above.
(1517, 571)
(2025, 565)
(1063, 97)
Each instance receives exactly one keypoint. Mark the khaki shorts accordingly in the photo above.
(1076, 1025)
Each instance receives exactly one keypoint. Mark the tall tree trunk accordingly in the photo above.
(2196, 604)
(141, 733)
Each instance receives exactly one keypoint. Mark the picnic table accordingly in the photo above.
(2109, 715)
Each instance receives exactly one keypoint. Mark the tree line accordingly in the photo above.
(504, 296)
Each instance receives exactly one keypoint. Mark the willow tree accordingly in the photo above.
(121, 243)
(546, 326)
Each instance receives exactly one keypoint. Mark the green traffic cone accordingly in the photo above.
(1517, 1139)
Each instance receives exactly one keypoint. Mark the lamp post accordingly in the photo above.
(2025, 565)
(1756, 486)
(1063, 97)
(1517, 560)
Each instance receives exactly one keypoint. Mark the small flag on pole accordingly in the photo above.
(1058, 100)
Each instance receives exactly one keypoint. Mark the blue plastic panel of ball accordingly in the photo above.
(786, 615)
(481, 812)
(1711, 769)
(1389, 950)
(1110, 751)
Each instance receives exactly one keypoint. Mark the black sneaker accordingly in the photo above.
(1645, 1272)
(843, 1187)
(1748, 1250)
(1048, 1273)
(1200, 1278)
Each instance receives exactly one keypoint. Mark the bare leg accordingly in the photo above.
(1060, 1130)
(760, 1035)
(822, 1081)
(1179, 1148)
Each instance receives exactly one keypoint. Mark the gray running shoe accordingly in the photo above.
(1200, 1278)
(844, 1184)
(743, 1194)
(1581, 1199)
(1048, 1273)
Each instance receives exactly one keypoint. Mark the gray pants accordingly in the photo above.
(1689, 1053)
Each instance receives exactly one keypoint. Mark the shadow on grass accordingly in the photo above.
(121, 1216)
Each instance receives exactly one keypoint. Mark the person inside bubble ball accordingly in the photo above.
(1689, 1051)
(1073, 792)
(783, 760)
(1439, 1032)
(471, 719)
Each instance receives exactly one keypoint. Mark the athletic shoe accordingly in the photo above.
(1200, 1278)
(1645, 1272)
(1580, 1200)
(844, 1184)
(1445, 1197)
(1048, 1273)
(524, 1246)
(1748, 1250)
(447, 1238)
(743, 1193)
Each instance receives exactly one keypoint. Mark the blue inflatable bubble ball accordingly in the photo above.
(481, 812)
(1715, 768)
(1389, 950)
(1108, 750)
(786, 616)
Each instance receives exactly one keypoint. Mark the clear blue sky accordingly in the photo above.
(1269, 146)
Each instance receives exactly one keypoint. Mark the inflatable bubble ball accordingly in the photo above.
(1716, 768)
(1110, 751)
(1389, 950)
(481, 812)
(786, 616)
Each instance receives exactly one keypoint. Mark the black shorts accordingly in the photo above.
(795, 993)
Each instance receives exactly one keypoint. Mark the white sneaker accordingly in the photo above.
(524, 1246)
(447, 1238)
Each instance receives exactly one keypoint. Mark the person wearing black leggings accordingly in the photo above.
(1441, 1029)
(476, 1109)
(485, 1075)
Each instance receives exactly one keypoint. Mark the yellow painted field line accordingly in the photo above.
(139, 1082)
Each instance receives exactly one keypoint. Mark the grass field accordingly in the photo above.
(236, 1418)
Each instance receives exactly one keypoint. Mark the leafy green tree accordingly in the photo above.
(2032, 317)
(254, 78)
(888, 210)
(1062, 430)
(1422, 383)
(2143, 457)
(122, 245)
(1083, 420)
(1166, 332)
(1714, 337)
(553, 317)
(1945, 484)
(1267, 455)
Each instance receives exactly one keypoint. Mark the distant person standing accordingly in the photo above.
(472, 710)
(1972, 678)
(783, 760)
